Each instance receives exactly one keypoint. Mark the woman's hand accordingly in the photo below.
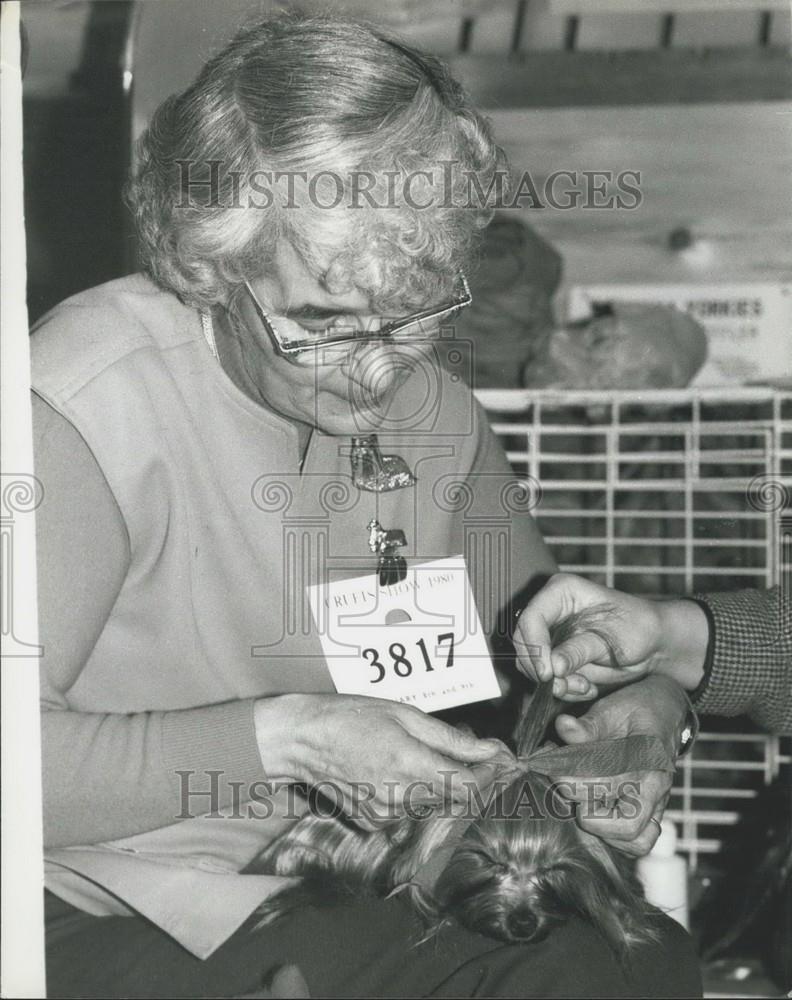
(637, 637)
(373, 758)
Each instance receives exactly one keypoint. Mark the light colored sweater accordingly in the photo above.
(170, 600)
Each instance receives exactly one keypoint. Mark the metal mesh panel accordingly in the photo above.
(660, 493)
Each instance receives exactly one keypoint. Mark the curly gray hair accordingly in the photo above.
(328, 101)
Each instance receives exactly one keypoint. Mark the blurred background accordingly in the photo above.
(634, 352)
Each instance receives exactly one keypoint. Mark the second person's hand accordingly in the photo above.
(631, 638)
(622, 809)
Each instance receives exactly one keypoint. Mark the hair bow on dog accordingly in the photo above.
(598, 759)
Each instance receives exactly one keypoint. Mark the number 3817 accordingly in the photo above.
(401, 665)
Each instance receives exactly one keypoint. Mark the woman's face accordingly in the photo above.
(341, 390)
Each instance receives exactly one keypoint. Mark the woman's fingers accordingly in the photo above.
(459, 744)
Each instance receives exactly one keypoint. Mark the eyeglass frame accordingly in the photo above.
(286, 348)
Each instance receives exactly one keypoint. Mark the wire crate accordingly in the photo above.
(667, 492)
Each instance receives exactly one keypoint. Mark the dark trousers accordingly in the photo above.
(368, 948)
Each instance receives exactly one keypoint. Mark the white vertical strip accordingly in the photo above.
(773, 533)
(534, 441)
(692, 474)
(771, 759)
(22, 954)
(613, 446)
(690, 832)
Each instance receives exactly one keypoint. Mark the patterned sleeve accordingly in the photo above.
(749, 662)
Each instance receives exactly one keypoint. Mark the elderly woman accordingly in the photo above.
(204, 437)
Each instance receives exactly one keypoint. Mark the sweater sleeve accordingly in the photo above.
(749, 670)
(108, 775)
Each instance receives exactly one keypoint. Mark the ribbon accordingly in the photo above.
(598, 759)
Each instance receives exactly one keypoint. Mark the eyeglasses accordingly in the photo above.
(289, 337)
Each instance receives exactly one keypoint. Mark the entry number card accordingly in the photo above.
(419, 642)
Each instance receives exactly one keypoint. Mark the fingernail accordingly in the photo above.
(543, 669)
(561, 663)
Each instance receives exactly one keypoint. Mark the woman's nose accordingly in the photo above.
(381, 368)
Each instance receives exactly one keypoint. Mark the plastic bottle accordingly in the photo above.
(664, 875)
